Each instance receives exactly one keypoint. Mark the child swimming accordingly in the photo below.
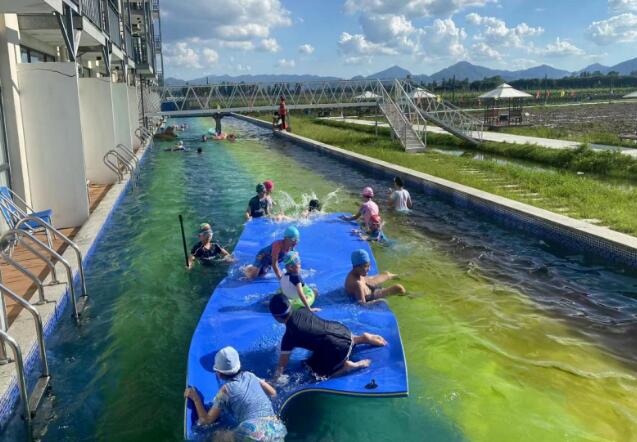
(205, 251)
(272, 255)
(258, 205)
(293, 286)
(375, 232)
(399, 198)
(244, 396)
(363, 288)
(367, 209)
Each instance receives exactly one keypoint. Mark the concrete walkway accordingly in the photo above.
(499, 137)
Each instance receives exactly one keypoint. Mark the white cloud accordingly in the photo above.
(413, 8)
(285, 63)
(561, 48)
(495, 32)
(180, 55)
(269, 45)
(357, 44)
(211, 56)
(443, 39)
(238, 45)
(393, 31)
(358, 60)
(482, 51)
(306, 48)
(618, 29)
(622, 5)
(243, 68)
(239, 20)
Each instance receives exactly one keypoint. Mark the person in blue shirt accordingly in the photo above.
(205, 251)
(243, 395)
(259, 204)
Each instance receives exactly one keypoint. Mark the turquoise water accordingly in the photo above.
(506, 337)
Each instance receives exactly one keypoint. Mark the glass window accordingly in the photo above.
(24, 55)
(36, 57)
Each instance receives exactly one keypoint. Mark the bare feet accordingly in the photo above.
(362, 364)
(370, 339)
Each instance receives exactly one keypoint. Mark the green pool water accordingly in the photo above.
(507, 338)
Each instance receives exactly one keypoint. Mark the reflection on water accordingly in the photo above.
(506, 337)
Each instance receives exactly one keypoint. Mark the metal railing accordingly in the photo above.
(120, 165)
(129, 154)
(30, 402)
(92, 9)
(113, 25)
(128, 40)
(403, 117)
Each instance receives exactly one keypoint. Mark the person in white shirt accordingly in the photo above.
(399, 198)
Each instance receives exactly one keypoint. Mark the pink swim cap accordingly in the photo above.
(269, 185)
(368, 192)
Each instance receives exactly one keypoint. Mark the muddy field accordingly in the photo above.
(614, 118)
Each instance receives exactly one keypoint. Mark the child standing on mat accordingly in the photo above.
(293, 286)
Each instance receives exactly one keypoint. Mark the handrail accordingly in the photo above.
(129, 154)
(22, 382)
(17, 240)
(64, 239)
(124, 162)
(29, 274)
(22, 213)
(112, 166)
(58, 257)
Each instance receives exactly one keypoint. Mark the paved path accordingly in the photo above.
(505, 138)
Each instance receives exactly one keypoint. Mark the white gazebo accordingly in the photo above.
(420, 93)
(508, 115)
(367, 95)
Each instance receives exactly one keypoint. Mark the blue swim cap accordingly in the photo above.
(291, 258)
(360, 257)
(292, 233)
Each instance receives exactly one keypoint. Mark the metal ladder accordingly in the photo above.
(121, 164)
(30, 401)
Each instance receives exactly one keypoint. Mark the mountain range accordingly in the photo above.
(460, 71)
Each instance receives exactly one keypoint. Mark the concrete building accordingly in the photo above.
(73, 74)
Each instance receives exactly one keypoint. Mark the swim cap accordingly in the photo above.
(292, 233)
(368, 192)
(360, 257)
(227, 361)
(204, 226)
(269, 185)
(291, 258)
(280, 305)
(375, 219)
(260, 188)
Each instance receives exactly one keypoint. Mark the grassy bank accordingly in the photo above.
(593, 136)
(583, 159)
(577, 196)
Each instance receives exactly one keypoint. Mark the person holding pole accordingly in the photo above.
(206, 251)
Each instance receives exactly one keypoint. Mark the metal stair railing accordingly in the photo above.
(413, 115)
(113, 166)
(401, 122)
(129, 155)
(16, 236)
(30, 402)
(121, 165)
(67, 241)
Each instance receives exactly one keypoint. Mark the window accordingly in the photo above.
(28, 55)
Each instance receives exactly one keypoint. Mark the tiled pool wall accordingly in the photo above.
(564, 234)
(32, 360)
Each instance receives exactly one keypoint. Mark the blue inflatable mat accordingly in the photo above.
(237, 315)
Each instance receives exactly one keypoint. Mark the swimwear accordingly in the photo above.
(266, 429)
(400, 199)
(330, 342)
(258, 207)
(377, 235)
(368, 209)
(263, 259)
(289, 281)
(206, 256)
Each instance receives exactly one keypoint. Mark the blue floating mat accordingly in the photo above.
(237, 315)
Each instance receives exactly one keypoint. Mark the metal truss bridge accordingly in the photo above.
(407, 109)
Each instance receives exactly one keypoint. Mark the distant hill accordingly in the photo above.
(594, 68)
(460, 70)
(390, 74)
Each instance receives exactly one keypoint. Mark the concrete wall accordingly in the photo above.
(9, 62)
(133, 109)
(121, 116)
(53, 133)
(98, 127)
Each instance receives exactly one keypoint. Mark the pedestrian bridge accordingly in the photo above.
(408, 109)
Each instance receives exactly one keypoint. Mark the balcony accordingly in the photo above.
(113, 25)
(128, 40)
(145, 60)
(92, 9)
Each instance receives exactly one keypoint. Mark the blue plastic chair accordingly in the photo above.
(12, 213)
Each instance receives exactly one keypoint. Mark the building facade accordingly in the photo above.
(73, 78)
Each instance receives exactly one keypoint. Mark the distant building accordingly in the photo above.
(73, 76)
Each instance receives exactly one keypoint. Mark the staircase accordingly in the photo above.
(403, 129)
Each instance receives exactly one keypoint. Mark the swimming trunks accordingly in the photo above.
(263, 259)
(206, 256)
(258, 207)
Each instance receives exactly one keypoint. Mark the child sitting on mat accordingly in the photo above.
(292, 285)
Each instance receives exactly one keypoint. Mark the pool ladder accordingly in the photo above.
(121, 161)
(32, 400)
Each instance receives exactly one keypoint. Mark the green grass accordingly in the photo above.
(592, 136)
(584, 197)
(584, 159)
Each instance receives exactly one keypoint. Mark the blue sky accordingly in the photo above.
(349, 37)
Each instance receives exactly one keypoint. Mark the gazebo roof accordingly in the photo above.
(421, 93)
(631, 95)
(367, 95)
(505, 91)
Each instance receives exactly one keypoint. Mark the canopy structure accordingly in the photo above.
(508, 114)
(419, 93)
(631, 95)
(367, 95)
